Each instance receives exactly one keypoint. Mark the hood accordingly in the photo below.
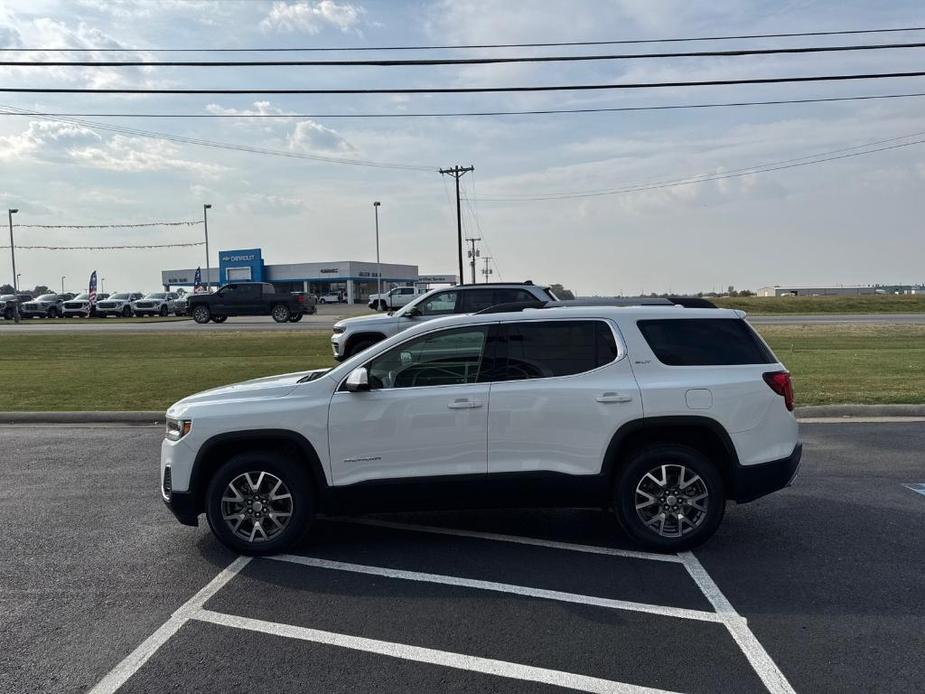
(257, 388)
(379, 318)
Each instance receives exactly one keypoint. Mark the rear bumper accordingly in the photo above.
(184, 507)
(751, 482)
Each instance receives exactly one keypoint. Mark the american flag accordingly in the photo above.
(92, 290)
(197, 281)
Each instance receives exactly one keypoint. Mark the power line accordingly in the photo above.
(109, 226)
(422, 62)
(703, 178)
(471, 90)
(109, 248)
(548, 44)
(122, 130)
(460, 114)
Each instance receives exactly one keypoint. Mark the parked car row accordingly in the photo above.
(123, 305)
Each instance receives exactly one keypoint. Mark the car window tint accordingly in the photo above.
(477, 299)
(543, 349)
(450, 357)
(510, 296)
(440, 304)
(704, 342)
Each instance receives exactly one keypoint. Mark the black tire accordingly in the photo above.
(322, 300)
(295, 317)
(651, 459)
(280, 313)
(358, 346)
(201, 314)
(163, 311)
(126, 311)
(383, 305)
(52, 313)
(293, 475)
(219, 319)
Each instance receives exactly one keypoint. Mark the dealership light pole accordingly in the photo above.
(205, 225)
(11, 212)
(63, 277)
(102, 279)
(378, 264)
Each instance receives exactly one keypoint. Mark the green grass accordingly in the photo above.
(72, 371)
(876, 303)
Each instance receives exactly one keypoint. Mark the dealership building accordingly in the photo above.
(353, 279)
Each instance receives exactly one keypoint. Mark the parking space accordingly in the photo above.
(813, 589)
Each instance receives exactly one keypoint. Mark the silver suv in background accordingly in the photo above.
(118, 305)
(353, 335)
(45, 306)
(156, 304)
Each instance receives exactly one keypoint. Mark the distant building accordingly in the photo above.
(841, 290)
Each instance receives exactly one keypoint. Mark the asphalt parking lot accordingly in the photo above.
(817, 588)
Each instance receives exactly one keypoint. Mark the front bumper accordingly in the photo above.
(752, 482)
(184, 507)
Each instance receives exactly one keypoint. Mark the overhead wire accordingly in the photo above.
(472, 90)
(458, 114)
(188, 223)
(432, 62)
(109, 248)
(545, 44)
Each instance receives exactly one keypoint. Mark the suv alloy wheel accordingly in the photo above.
(259, 503)
(281, 313)
(202, 314)
(669, 498)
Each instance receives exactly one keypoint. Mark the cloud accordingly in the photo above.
(309, 136)
(9, 37)
(311, 17)
(50, 141)
(267, 204)
(260, 108)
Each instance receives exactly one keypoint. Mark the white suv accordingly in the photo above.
(660, 413)
(352, 335)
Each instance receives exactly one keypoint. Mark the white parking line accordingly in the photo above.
(761, 662)
(133, 662)
(918, 487)
(459, 661)
(559, 596)
(517, 539)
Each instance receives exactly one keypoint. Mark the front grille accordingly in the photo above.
(105, 305)
(75, 306)
(142, 304)
(167, 486)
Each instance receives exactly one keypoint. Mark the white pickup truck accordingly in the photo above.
(396, 298)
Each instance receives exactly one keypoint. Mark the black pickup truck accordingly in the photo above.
(249, 299)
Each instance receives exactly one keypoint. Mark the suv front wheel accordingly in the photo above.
(259, 503)
(669, 498)
(201, 314)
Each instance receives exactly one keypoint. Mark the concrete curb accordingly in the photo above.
(157, 417)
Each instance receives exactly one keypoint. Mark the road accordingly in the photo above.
(828, 574)
(328, 315)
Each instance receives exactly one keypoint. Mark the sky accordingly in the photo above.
(856, 220)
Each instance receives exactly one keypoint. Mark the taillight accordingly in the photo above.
(300, 298)
(782, 385)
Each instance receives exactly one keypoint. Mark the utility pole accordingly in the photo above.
(458, 172)
(378, 264)
(473, 253)
(487, 270)
(205, 225)
(13, 258)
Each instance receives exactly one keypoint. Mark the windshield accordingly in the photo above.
(7, 297)
(81, 297)
(120, 297)
(156, 296)
(47, 297)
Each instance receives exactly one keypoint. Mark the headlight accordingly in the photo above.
(178, 428)
(338, 329)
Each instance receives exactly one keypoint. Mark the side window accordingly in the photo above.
(476, 299)
(543, 349)
(450, 357)
(704, 342)
(440, 304)
(510, 296)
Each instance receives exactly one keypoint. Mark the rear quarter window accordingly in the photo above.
(704, 342)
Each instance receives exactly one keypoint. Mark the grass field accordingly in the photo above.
(877, 303)
(47, 371)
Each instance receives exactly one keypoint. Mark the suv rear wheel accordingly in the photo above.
(201, 314)
(126, 311)
(669, 498)
(259, 503)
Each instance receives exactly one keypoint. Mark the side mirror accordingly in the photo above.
(358, 380)
(413, 312)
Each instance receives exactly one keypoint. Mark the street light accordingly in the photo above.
(378, 264)
(205, 226)
(11, 212)
(63, 277)
(102, 279)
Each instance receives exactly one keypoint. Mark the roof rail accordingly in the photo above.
(691, 301)
(513, 307)
(681, 301)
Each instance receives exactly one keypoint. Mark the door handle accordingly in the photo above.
(614, 397)
(463, 404)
